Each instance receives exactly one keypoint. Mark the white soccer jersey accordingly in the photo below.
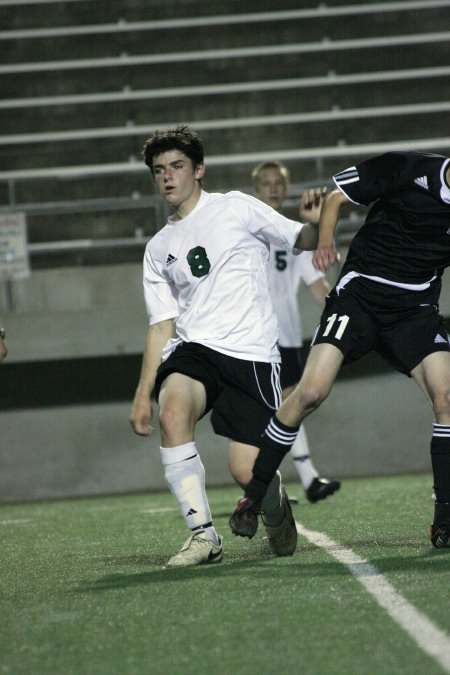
(286, 272)
(208, 271)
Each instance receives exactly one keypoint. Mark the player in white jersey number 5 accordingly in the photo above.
(286, 272)
(205, 275)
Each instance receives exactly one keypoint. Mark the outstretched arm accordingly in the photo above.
(141, 411)
(326, 253)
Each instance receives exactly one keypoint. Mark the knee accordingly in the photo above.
(311, 396)
(168, 417)
(173, 422)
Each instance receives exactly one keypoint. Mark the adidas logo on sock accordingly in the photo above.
(170, 260)
(422, 181)
(439, 338)
(191, 512)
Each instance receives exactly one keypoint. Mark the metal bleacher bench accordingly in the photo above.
(126, 93)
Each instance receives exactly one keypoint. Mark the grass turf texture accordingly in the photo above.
(85, 590)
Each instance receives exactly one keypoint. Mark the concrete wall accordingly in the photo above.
(368, 426)
(75, 312)
(378, 424)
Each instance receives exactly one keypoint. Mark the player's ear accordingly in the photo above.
(199, 171)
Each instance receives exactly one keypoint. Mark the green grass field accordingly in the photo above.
(85, 590)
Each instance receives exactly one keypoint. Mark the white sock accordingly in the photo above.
(302, 460)
(272, 505)
(185, 474)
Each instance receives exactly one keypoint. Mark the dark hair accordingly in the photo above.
(181, 138)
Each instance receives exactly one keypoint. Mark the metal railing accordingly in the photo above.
(441, 144)
(205, 55)
(123, 26)
(336, 114)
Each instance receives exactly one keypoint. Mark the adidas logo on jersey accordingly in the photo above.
(170, 260)
(422, 182)
(439, 338)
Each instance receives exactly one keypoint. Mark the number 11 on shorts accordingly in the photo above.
(342, 321)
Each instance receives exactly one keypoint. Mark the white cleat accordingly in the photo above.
(197, 550)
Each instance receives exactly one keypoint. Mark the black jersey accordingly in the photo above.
(405, 240)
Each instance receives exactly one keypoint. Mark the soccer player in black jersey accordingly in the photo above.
(386, 299)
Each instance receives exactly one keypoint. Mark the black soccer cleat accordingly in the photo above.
(290, 498)
(282, 538)
(440, 535)
(321, 488)
(244, 520)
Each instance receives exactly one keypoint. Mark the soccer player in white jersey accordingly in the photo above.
(386, 299)
(212, 339)
(286, 272)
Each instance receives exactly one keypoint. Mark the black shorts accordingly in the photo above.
(403, 329)
(292, 364)
(243, 395)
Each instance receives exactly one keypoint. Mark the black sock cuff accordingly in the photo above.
(279, 434)
(441, 436)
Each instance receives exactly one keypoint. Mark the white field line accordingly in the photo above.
(15, 521)
(429, 637)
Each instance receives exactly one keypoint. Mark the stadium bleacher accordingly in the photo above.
(85, 81)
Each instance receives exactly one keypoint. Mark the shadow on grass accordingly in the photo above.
(261, 565)
(243, 568)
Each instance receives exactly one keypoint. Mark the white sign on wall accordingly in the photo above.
(14, 259)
